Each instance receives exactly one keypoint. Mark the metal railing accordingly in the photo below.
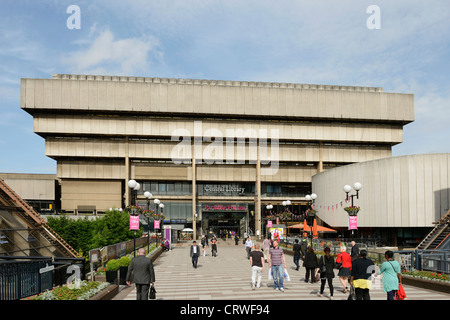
(21, 279)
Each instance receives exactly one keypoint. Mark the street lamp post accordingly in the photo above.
(311, 214)
(157, 202)
(352, 211)
(268, 207)
(148, 196)
(161, 222)
(135, 186)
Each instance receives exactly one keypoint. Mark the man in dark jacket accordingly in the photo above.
(143, 274)
(297, 253)
(194, 253)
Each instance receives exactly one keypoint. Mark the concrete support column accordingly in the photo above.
(127, 173)
(320, 165)
(194, 195)
(258, 196)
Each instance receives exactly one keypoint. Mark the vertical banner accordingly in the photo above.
(134, 222)
(156, 224)
(269, 224)
(352, 223)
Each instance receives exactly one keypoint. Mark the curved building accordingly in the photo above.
(400, 201)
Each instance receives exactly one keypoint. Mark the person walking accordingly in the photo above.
(297, 252)
(391, 271)
(344, 273)
(326, 266)
(277, 263)
(310, 264)
(214, 246)
(266, 248)
(362, 269)
(203, 243)
(143, 274)
(248, 246)
(194, 253)
(236, 239)
(354, 253)
(257, 264)
(304, 248)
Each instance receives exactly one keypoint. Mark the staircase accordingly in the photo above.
(11, 200)
(438, 235)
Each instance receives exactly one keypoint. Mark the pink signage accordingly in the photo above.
(219, 207)
(156, 224)
(352, 223)
(134, 222)
(269, 224)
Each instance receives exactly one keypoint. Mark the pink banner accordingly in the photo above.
(269, 224)
(352, 223)
(134, 222)
(156, 224)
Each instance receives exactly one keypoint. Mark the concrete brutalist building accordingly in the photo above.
(202, 144)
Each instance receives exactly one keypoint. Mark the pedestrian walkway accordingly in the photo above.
(228, 277)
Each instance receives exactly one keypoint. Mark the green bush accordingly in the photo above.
(112, 265)
(124, 261)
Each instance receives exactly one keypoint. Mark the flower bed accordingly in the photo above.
(82, 291)
(428, 275)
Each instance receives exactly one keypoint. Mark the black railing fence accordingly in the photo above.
(21, 277)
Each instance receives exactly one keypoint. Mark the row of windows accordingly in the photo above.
(226, 189)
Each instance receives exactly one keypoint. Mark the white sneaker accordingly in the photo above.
(276, 289)
(253, 286)
(281, 289)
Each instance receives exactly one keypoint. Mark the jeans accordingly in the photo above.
(277, 272)
(248, 249)
(391, 295)
(296, 260)
(256, 272)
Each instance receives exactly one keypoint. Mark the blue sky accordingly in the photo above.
(318, 42)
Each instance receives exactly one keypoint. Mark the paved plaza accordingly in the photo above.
(228, 277)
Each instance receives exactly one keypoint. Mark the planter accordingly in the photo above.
(111, 277)
(100, 278)
(426, 284)
(353, 212)
(106, 294)
(123, 275)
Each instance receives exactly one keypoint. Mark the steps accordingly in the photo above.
(12, 200)
(437, 236)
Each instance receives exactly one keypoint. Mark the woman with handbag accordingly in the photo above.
(310, 264)
(392, 277)
(344, 264)
(326, 266)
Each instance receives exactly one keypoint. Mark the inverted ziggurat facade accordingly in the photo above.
(214, 152)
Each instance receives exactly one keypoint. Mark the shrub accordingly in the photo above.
(112, 265)
(124, 261)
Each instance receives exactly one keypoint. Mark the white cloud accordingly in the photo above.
(107, 55)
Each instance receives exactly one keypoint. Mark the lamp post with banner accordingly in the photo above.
(148, 196)
(352, 211)
(310, 213)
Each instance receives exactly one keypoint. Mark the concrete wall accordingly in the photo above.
(407, 191)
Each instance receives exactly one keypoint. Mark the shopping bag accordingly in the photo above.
(286, 275)
(270, 277)
(352, 295)
(401, 295)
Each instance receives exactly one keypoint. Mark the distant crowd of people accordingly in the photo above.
(354, 269)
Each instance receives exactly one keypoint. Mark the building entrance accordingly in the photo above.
(223, 223)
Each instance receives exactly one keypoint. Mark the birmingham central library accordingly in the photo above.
(216, 153)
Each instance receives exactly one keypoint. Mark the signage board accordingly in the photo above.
(352, 223)
(240, 207)
(134, 222)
